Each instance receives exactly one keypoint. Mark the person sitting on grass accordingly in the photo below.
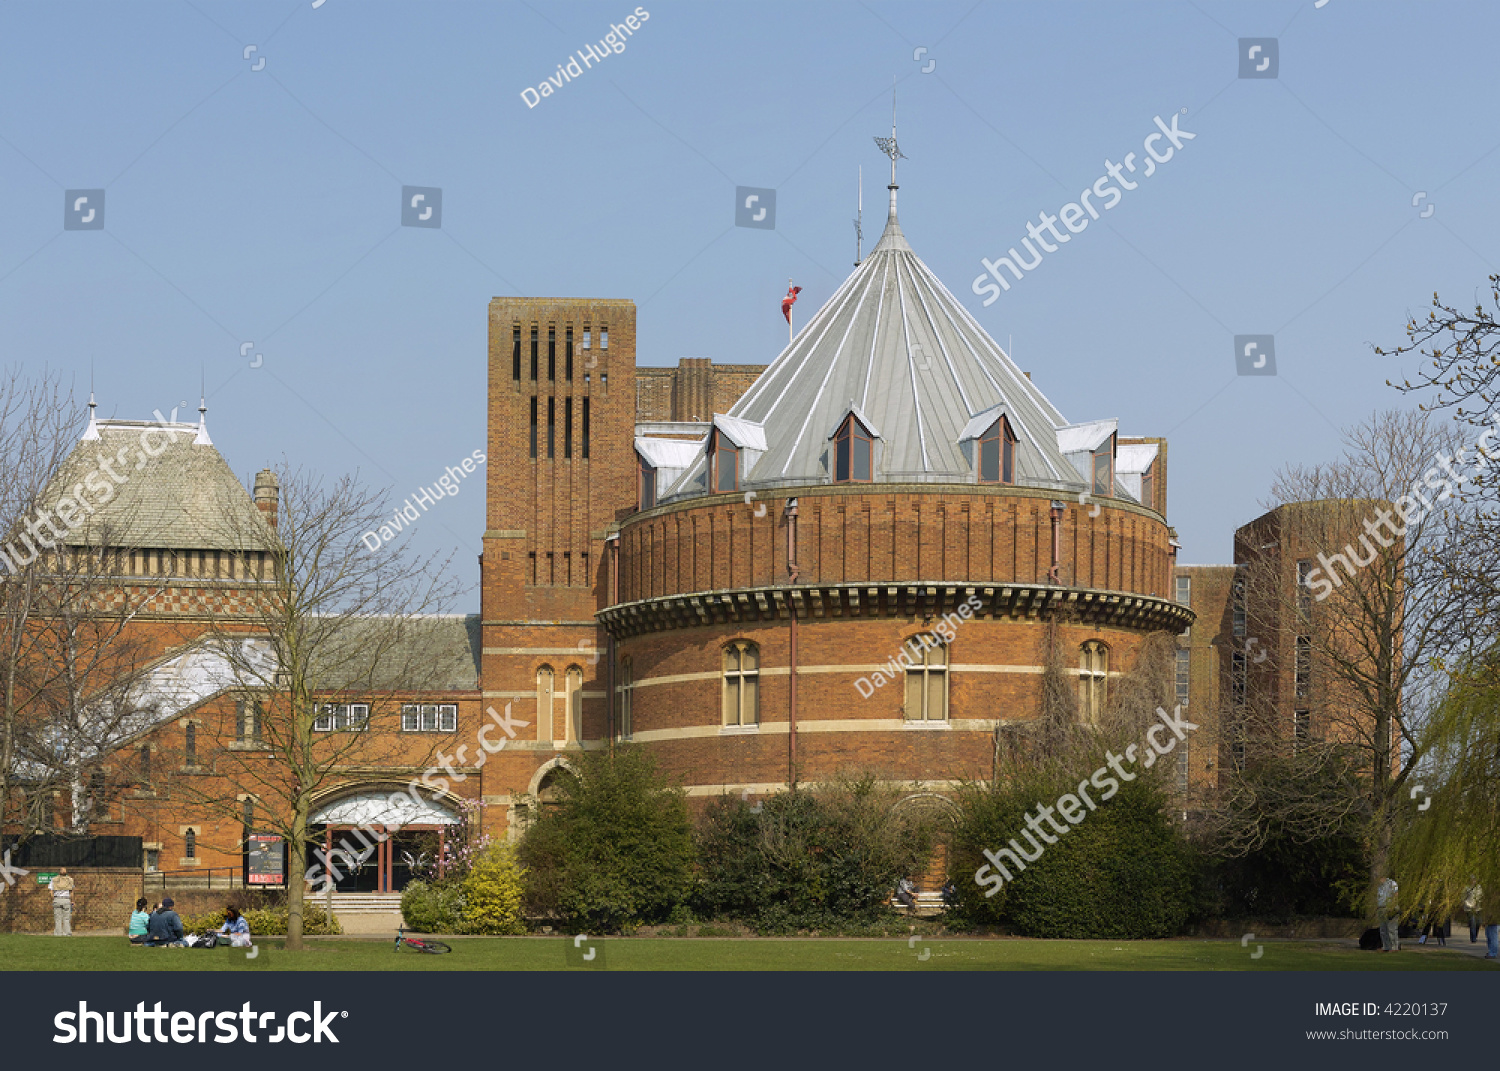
(235, 928)
(165, 928)
(139, 919)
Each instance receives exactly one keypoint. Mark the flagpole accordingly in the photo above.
(789, 335)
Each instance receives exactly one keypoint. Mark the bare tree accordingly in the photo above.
(323, 629)
(1356, 640)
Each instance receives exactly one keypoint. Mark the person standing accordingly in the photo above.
(61, 887)
(1385, 904)
(1471, 908)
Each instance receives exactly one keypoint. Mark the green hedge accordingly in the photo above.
(268, 921)
(1124, 872)
(428, 908)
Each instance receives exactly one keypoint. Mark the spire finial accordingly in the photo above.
(891, 149)
(91, 433)
(202, 439)
(859, 226)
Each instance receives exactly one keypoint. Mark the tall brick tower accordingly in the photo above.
(562, 470)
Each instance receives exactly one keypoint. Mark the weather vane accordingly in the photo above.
(888, 145)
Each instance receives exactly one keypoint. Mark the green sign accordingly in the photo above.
(44, 876)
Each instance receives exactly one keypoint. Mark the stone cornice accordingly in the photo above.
(815, 602)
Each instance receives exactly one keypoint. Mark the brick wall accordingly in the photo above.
(695, 390)
(103, 898)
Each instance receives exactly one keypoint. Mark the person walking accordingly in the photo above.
(1471, 908)
(1492, 939)
(61, 887)
(1385, 904)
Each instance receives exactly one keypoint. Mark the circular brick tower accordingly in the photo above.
(863, 565)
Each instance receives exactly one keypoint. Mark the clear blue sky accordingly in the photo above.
(263, 206)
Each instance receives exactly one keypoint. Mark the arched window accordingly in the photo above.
(544, 704)
(190, 844)
(724, 460)
(627, 694)
(926, 678)
(853, 452)
(997, 454)
(648, 484)
(1093, 679)
(741, 683)
(574, 697)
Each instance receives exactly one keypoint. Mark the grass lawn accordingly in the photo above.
(46, 953)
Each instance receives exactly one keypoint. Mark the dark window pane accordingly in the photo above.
(551, 428)
(862, 449)
(1008, 467)
(841, 456)
(533, 353)
(584, 438)
(515, 356)
(533, 427)
(989, 460)
(1102, 482)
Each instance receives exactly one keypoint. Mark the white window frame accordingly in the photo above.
(429, 717)
(342, 717)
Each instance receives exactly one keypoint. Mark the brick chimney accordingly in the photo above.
(267, 495)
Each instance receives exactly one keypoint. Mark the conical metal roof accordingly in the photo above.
(895, 347)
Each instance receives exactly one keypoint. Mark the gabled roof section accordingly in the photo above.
(668, 453)
(859, 415)
(746, 434)
(1135, 457)
(170, 489)
(1085, 438)
(982, 422)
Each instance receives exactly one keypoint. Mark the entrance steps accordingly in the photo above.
(362, 903)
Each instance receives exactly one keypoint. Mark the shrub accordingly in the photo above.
(493, 891)
(1124, 872)
(616, 852)
(429, 908)
(268, 922)
(821, 858)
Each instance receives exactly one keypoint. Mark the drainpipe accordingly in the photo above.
(1054, 574)
(613, 543)
(791, 710)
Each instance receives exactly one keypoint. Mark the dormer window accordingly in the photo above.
(1104, 468)
(853, 452)
(997, 454)
(724, 462)
(648, 484)
(1148, 486)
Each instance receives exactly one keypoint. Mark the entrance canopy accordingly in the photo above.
(387, 808)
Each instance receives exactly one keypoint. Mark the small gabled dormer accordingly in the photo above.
(989, 444)
(734, 446)
(854, 439)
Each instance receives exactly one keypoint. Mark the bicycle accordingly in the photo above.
(415, 944)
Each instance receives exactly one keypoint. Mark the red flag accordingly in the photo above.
(788, 301)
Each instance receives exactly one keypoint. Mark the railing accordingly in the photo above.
(165, 881)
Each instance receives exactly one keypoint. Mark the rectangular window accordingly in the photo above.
(551, 351)
(515, 352)
(551, 428)
(533, 429)
(153, 859)
(1239, 609)
(341, 717)
(1104, 468)
(1303, 667)
(533, 351)
(567, 427)
(1304, 589)
(587, 337)
(146, 764)
(604, 338)
(1185, 597)
(583, 439)
(429, 718)
(1237, 679)
(1183, 680)
(248, 722)
(190, 746)
(648, 486)
(247, 813)
(568, 354)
